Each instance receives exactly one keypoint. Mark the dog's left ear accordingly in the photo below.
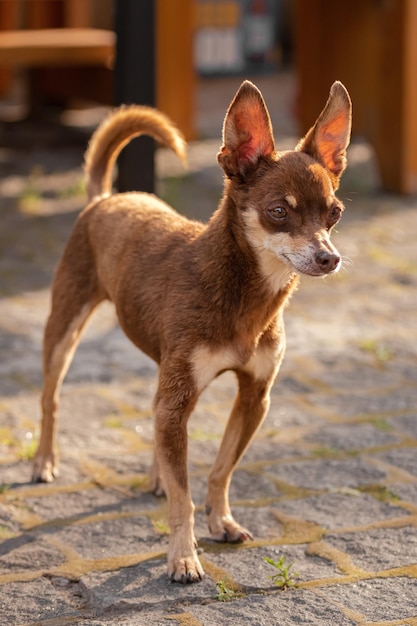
(247, 132)
(329, 138)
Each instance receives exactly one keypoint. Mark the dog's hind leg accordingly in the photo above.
(74, 297)
(249, 410)
(156, 483)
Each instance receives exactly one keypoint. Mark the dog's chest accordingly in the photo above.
(208, 362)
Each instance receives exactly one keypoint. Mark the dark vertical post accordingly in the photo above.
(135, 84)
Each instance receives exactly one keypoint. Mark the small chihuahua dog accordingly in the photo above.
(197, 298)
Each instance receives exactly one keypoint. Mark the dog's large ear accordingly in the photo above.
(247, 132)
(329, 138)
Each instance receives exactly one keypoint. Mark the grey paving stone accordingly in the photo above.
(335, 511)
(25, 553)
(43, 602)
(380, 403)
(113, 537)
(406, 424)
(329, 473)
(78, 504)
(404, 458)
(380, 599)
(407, 492)
(281, 609)
(142, 588)
(379, 549)
(350, 437)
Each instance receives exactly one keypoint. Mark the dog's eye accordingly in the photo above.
(335, 213)
(277, 213)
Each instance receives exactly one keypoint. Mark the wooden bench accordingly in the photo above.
(56, 47)
(77, 60)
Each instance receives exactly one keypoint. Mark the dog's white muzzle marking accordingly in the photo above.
(280, 254)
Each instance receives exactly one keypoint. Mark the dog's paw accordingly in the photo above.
(226, 530)
(186, 570)
(183, 563)
(45, 469)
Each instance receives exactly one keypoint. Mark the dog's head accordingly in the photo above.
(287, 200)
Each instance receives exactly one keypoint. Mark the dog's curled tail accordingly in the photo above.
(115, 132)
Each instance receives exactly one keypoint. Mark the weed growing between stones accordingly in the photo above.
(160, 526)
(379, 350)
(225, 593)
(284, 578)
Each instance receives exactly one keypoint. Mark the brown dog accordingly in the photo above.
(199, 299)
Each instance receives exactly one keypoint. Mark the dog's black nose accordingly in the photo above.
(327, 261)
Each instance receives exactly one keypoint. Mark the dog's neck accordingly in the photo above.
(231, 274)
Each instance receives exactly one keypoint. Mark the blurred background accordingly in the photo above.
(64, 62)
(185, 44)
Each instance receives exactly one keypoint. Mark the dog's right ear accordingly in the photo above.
(247, 132)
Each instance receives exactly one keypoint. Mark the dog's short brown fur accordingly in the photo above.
(199, 299)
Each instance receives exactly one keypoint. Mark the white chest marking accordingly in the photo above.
(264, 362)
(207, 363)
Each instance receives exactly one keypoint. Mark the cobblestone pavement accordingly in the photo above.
(329, 484)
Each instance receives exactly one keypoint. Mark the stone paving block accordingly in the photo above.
(81, 415)
(356, 372)
(8, 524)
(330, 473)
(335, 511)
(21, 411)
(354, 405)
(270, 445)
(378, 600)
(82, 502)
(286, 412)
(281, 609)
(247, 485)
(351, 437)
(112, 537)
(379, 548)
(405, 458)
(28, 553)
(406, 492)
(406, 424)
(15, 473)
(142, 588)
(46, 602)
(104, 465)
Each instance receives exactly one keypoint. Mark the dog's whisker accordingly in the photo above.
(346, 261)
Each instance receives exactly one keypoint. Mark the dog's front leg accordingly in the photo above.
(174, 402)
(248, 412)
